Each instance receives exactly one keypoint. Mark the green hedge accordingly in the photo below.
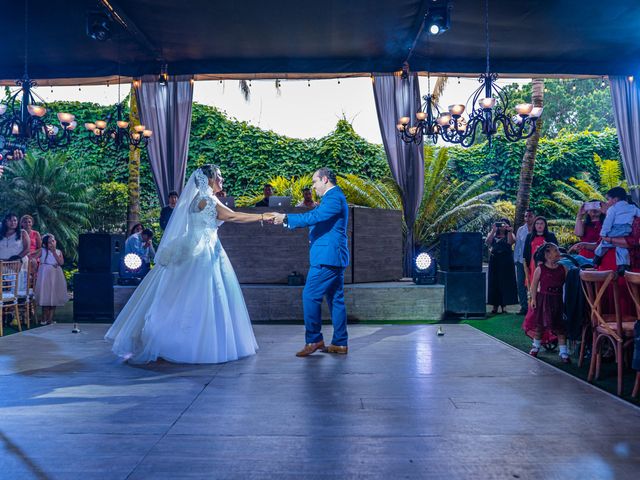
(246, 154)
(559, 158)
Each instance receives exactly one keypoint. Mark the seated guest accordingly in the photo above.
(15, 245)
(307, 199)
(221, 194)
(141, 244)
(51, 286)
(267, 191)
(165, 213)
(14, 242)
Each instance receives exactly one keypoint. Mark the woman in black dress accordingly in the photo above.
(502, 275)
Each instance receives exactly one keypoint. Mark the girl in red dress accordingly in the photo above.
(539, 235)
(546, 305)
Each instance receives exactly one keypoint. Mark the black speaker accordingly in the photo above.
(93, 297)
(465, 294)
(100, 252)
(461, 252)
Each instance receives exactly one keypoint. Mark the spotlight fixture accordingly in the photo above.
(132, 269)
(438, 17)
(163, 78)
(99, 26)
(424, 269)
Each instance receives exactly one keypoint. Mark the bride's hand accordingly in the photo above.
(269, 217)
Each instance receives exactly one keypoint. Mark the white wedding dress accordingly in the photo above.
(189, 308)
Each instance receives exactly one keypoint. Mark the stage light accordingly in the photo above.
(99, 26)
(424, 269)
(438, 17)
(132, 262)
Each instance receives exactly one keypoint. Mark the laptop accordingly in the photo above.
(228, 201)
(279, 202)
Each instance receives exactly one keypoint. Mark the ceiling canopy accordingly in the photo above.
(553, 37)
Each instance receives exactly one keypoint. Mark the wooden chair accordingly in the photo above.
(26, 295)
(605, 326)
(633, 284)
(9, 272)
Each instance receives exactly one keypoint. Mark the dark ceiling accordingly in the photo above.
(573, 37)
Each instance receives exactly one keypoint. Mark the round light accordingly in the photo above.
(434, 29)
(423, 261)
(132, 261)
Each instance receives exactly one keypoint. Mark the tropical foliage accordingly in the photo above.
(55, 195)
(287, 187)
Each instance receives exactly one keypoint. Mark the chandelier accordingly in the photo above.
(489, 108)
(114, 131)
(25, 116)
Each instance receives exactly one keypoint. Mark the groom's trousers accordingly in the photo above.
(325, 280)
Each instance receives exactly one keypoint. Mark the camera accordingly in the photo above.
(7, 148)
(499, 225)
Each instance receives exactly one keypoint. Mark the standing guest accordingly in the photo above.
(588, 226)
(307, 199)
(617, 224)
(51, 286)
(35, 246)
(267, 191)
(137, 228)
(539, 235)
(518, 258)
(165, 213)
(502, 289)
(546, 300)
(221, 194)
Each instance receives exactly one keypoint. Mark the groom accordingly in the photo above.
(329, 256)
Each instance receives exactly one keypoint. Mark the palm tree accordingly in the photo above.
(133, 209)
(55, 196)
(529, 158)
(447, 204)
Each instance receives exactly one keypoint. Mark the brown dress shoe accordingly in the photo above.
(309, 348)
(342, 349)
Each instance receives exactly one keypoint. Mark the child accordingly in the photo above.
(616, 224)
(51, 286)
(545, 305)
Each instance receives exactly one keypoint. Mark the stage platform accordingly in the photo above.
(404, 403)
(364, 301)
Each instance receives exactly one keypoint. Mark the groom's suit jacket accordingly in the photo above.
(328, 229)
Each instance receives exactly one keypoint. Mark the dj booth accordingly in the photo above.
(269, 254)
(261, 256)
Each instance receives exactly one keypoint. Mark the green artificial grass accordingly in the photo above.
(507, 327)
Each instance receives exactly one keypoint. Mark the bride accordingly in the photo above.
(189, 308)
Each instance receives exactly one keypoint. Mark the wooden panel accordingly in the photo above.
(269, 254)
(377, 245)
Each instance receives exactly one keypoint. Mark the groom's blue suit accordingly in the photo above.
(329, 256)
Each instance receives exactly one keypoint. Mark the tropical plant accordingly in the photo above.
(566, 200)
(55, 195)
(286, 187)
(447, 204)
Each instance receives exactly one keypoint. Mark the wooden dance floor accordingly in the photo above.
(404, 403)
